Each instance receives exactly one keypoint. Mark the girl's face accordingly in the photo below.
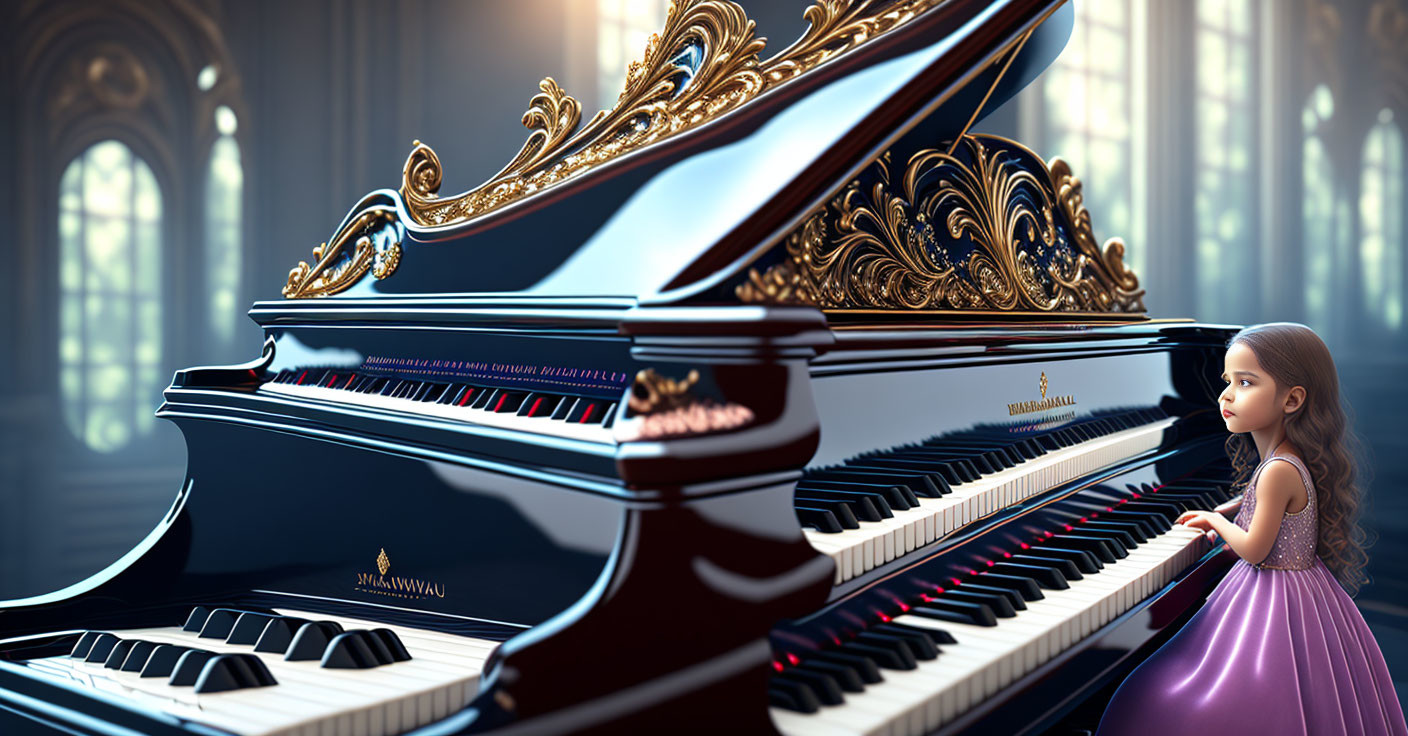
(1250, 401)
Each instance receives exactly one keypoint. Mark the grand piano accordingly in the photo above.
(772, 400)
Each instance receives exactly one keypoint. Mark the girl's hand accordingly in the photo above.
(1200, 520)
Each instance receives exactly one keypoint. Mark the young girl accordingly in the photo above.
(1279, 647)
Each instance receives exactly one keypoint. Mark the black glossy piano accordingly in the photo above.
(771, 400)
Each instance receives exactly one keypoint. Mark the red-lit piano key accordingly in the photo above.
(301, 376)
(468, 392)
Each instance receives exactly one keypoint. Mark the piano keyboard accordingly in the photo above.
(939, 662)
(574, 417)
(347, 691)
(891, 503)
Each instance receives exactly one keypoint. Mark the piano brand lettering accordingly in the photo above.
(481, 369)
(395, 586)
(1029, 407)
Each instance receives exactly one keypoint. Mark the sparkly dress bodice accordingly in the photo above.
(1294, 548)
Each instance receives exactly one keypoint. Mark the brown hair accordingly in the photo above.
(1295, 356)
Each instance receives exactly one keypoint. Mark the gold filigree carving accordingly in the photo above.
(664, 408)
(701, 65)
(886, 247)
(335, 270)
(653, 392)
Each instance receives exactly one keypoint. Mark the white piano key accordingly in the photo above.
(484, 417)
(989, 658)
(986, 495)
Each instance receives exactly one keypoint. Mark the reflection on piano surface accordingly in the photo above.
(770, 400)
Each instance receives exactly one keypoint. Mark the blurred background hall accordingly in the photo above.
(163, 163)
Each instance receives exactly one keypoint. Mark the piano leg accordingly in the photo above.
(674, 632)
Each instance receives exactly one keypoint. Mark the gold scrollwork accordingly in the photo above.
(702, 64)
(878, 248)
(664, 408)
(653, 392)
(334, 270)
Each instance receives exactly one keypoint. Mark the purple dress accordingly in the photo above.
(1279, 648)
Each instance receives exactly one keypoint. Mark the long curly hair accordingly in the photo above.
(1295, 356)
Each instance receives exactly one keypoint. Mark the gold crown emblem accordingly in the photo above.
(1043, 384)
(383, 563)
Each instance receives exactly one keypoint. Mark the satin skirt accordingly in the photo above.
(1271, 652)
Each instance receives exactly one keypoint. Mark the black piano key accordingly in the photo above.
(196, 620)
(138, 655)
(937, 636)
(355, 650)
(899, 643)
(893, 496)
(1025, 586)
(360, 385)
(937, 479)
(219, 623)
(434, 391)
(978, 613)
(1149, 525)
(1086, 562)
(1046, 577)
(119, 653)
(189, 667)
(792, 696)
(839, 509)
(102, 647)
(999, 604)
(163, 659)
(870, 501)
(911, 485)
(822, 685)
(1014, 599)
(921, 646)
(539, 405)
(608, 416)
(864, 666)
(450, 395)
(845, 676)
(564, 407)
(483, 396)
(894, 655)
(392, 643)
(1104, 549)
(953, 468)
(508, 402)
(962, 612)
(1166, 511)
(1131, 528)
(226, 672)
(376, 386)
(819, 519)
(1065, 566)
(971, 465)
(85, 644)
(248, 627)
(1119, 537)
(311, 641)
(278, 634)
(861, 507)
(1198, 500)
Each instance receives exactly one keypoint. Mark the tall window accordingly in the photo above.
(622, 31)
(1319, 246)
(1089, 116)
(1381, 222)
(110, 296)
(223, 191)
(1226, 121)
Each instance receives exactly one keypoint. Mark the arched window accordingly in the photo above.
(1225, 204)
(223, 192)
(110, 295)
(623, 27)
(1088, 113)
(1381, 222)
(1319, 235)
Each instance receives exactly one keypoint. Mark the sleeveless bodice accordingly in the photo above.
(1295, 542)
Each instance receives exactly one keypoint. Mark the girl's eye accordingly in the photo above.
(1246, 382)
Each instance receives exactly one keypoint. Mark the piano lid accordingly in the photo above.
(711, 158)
